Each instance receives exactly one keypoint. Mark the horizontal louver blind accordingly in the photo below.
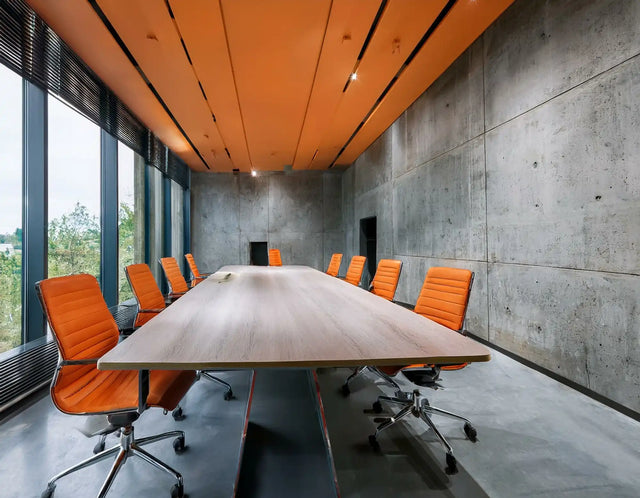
(30, 48)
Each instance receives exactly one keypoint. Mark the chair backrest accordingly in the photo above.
(445, 295)
(334, 265)
(274, 257)
(146, 291)
(83, 329)
(78, 316)
(385, 281)
(354, 272)
(192, 266)
(177, 283)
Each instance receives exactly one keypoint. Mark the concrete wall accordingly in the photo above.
(522, 163)
(298, 213)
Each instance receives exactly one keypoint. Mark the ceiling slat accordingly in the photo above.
(401, 27)
(465, 22)
(347, 29)
(201, 20)
(274, 51)
(149, 33)
(76, 23)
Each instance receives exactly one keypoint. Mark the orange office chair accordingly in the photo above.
(444, 298)
(196, 276)
(385, 281)
(384, 284)
(274, 257)
(84, 330)
(354, 272)
(177, 284)
(150, 303)
(334, 265)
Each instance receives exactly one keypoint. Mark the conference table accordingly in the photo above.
(288, 316)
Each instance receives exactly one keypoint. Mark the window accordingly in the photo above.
(177, 224)
(156, 221)
(130, 215)
(74, 192)
(10, 209)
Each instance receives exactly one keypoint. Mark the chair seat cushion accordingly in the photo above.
(83, 389)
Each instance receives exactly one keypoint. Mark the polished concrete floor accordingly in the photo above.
(536, 437)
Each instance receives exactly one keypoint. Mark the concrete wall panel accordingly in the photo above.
(332, 201)
(286, 211)
(539, 48)
(439, 208)
(449, 113)
(564, 182)
(373, 167)
(582, 325)
(295, 203)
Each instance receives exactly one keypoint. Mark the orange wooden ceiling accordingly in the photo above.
(260, 84)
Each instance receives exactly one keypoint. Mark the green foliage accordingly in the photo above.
(126, 233)
(74, 247)
(10, 301)
(74, 243)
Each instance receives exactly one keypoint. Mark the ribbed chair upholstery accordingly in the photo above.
(151, 302)
(177, 283)
(84, 330)
(146, 291)
(444, 299)
(334, 265)
(274, 257)
(354, 272)
(196, 276)
(385, 281)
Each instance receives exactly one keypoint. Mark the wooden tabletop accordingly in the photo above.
(295, 316)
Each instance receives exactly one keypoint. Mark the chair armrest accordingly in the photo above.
(152, 310)
(87, 361)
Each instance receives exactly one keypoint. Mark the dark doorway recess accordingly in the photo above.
(258, 253)
(368, 235)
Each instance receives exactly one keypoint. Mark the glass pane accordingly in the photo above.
(10, 209)
(156, 219)
(131, 215)
(177, 224)
(74, 192)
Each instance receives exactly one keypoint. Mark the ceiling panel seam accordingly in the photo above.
(114, 33)
(235, 84)
(197, 77)
(313, 82)
(414, 52)
(367, 40)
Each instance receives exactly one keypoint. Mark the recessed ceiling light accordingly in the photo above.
(254, 172)
(354, 76)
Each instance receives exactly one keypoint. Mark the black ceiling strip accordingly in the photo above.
(186, 52)
(443, 13)
(202, 90)
(367, 40)
(125, 50)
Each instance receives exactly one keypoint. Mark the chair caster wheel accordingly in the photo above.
(345, 390)
(178, 415)
(99, 447)
(177, 491)
(377, 407)
(470, 431)
(228, 395)
(452, 464)
(48, 493)
(373, 441)
(179, 446)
